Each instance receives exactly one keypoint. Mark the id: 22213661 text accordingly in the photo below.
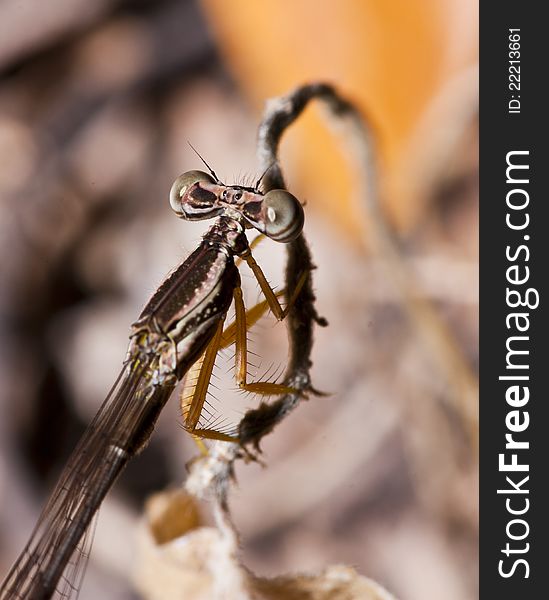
(514, 71)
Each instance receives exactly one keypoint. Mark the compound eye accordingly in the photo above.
(182, 184)
(283, 216)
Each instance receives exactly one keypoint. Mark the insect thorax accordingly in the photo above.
(228, 233)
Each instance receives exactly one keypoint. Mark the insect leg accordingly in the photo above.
(252, 317)
(271, 297)
(200, 375)
(187, 396)
(241, 355)
(193, 409)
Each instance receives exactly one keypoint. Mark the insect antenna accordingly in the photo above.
(212, 172)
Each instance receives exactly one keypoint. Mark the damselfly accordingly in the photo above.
(181, 326)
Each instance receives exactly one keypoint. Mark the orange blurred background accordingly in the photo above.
(394, 59)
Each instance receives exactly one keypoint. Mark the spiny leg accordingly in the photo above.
(252, 317)
(187, 396)
(197, 381)
(265, 388)
(236, 333)
(192, 410)
(271, 297)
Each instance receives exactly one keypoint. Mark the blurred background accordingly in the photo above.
(97, 103)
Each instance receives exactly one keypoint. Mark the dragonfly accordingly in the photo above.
(181, 328)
